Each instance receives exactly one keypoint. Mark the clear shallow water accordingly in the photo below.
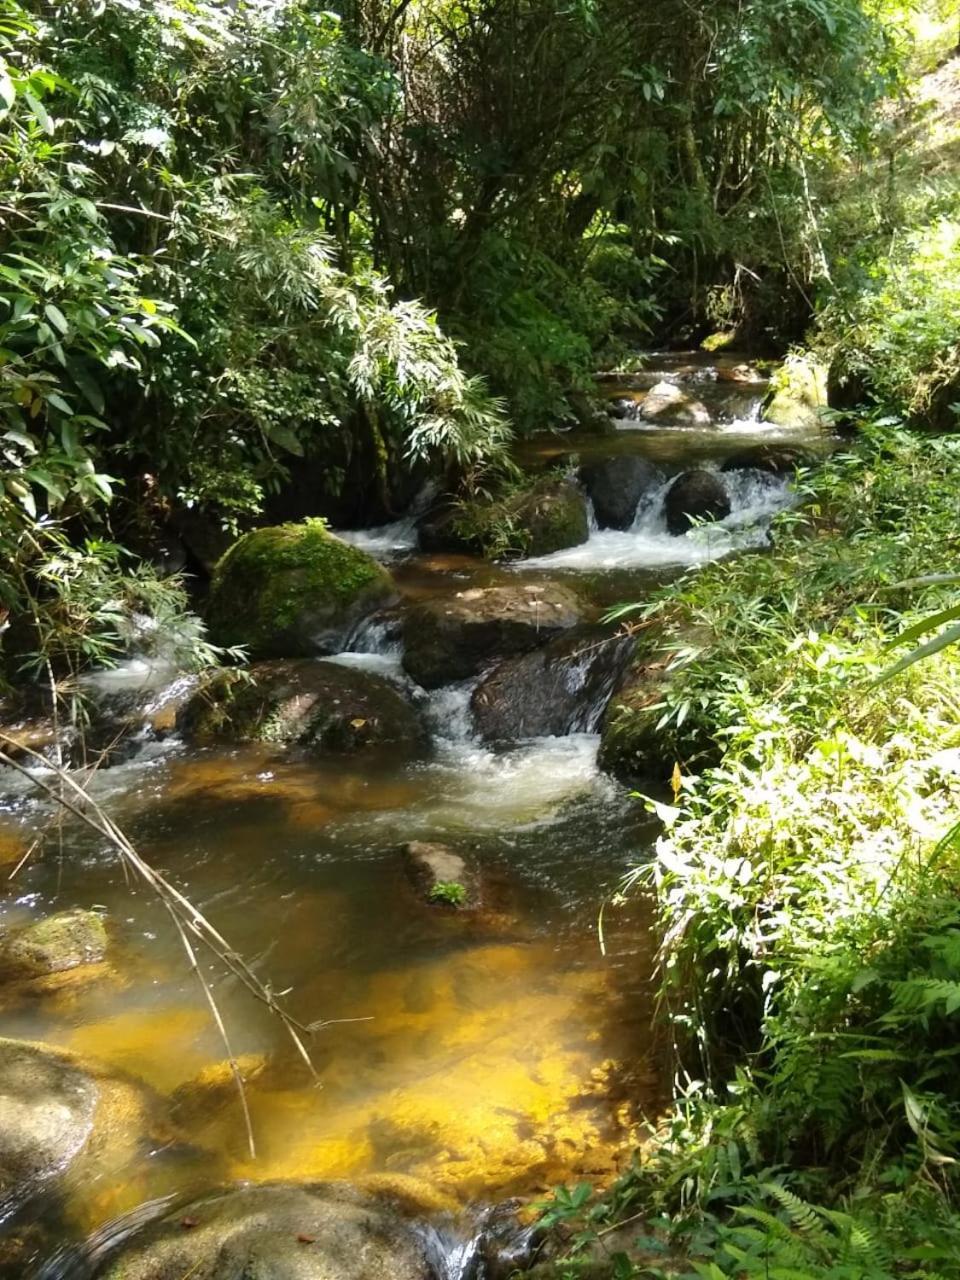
(477, 1065)
(472, 1056)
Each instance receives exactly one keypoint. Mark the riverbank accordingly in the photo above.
(805, 889)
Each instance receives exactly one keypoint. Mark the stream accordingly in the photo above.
(462, 1060)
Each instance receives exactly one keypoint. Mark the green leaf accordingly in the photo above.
(56, 317)
(950, 636)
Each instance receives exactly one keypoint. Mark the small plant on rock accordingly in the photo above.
(449, 892)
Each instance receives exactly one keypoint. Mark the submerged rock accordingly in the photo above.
(562, 688)
(616, 486)
(315, 704)
(798, 393)
(326, 1231)
(63, 941)
(452, 639)
(441, 875)
(293, 590)
(667, 401)
(61, 1116)
(695, 495)
(47, 1106)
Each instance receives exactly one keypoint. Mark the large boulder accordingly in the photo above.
(798, 393)
(693, 496)
(293, 590)
(278, 1232)
(615, 487)
(559, 689)
(320, 705)
(453, 638)
(63, 941)
(665, 401)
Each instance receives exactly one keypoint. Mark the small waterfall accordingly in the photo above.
(755, 497)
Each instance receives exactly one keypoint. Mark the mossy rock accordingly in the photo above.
(61, 942)
(798, 393)
(548, 517)
(284, 1232)
(293, 590)
(319, 705)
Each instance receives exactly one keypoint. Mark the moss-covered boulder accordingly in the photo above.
(293, 590)
(319, 705)
(281, 1232)
(548, 517)
(61, 942)
(454, 638)
(798, 393)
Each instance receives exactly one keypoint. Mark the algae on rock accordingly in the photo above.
(293, 590)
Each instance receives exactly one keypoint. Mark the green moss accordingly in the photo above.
(798, 392)
(278, 587)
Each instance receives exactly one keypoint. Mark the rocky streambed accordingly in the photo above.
(396, 814)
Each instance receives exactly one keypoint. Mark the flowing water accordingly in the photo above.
(473, 1057)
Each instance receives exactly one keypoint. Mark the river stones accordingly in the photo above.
(319, 705)
(61, 1116)
(63, 941)
(441, 875)
(693, 496)
(293, 590)
(666, 402)
(326, 1231)
(455, 638)
(616, 486)
(561, 688)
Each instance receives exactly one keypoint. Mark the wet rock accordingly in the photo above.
(61, 1116)
(798, 393)
(632, 745)
(319, 705)
(318, 1232)
(695, 495)
(437, 532)
(63, 941)
(562, 688)
(441, 875)
(778, 460)
(615, 487)
(449, 640)
(622, 409)
(548, 517)
(739, 373)
(666, 401)
(293, 590)
(47, 1106)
